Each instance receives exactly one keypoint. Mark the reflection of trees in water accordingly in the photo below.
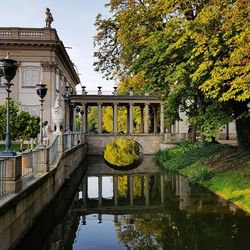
(122, 152)
(138, 231)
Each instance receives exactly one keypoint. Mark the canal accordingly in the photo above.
(143, 208)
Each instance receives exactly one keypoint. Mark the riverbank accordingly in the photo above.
(223, 169)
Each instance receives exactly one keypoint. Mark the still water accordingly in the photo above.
(143, 208)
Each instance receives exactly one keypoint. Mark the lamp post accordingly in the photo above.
(8, 69)
(41, 90)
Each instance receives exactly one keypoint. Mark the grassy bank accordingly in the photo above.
(221, 168)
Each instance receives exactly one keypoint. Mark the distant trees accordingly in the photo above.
(23, 126)
(195, 53)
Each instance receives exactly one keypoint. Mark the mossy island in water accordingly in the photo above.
(122, 153)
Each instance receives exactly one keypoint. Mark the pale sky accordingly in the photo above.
(74, 21)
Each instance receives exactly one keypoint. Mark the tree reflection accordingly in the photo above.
(122, 152)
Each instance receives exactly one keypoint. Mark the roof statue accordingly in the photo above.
(48, 18)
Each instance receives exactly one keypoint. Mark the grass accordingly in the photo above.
(221, 168)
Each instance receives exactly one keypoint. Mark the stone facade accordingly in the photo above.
(41, 55)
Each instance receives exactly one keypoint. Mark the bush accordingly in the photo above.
(200, 175)
(186, 153)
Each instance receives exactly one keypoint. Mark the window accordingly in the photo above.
(31, 76)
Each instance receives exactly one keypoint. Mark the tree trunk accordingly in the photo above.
(242, 125)
(194, 133)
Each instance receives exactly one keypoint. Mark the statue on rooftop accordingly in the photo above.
(48, 18)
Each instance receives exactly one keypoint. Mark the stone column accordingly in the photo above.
(74, 119)
(162, 119)
(131, 122)
(115, 121)
(142, 120)
(84, 118)
(127, 120)
(146, 126)
(99, 118)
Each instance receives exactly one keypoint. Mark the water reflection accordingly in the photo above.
(147, 209)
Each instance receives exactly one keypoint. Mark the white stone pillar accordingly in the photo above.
(115, 121)
(131, 121)
(127, 120)
(162, 119)
(146, 126)
(84, 118)
(99, 118)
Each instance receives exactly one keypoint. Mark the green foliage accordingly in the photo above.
(198, 173)
(232, 185)
(23, 126)
(27, 126)
(14, 109)
(122, 152)
(196, 60)
(187, 153)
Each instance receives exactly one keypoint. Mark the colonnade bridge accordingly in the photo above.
(150, 108)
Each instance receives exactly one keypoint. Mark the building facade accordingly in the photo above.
(41, 56)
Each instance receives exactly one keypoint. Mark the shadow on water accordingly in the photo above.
(143, 208)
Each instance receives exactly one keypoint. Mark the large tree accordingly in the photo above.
(196, 53)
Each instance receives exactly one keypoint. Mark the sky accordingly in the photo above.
(74, 21)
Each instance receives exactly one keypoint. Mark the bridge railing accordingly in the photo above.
(21, 168)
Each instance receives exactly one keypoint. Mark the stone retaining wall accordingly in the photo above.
(19, 213)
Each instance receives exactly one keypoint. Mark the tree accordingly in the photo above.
(23, 126)
(198, 61)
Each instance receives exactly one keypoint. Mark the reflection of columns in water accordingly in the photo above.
(99, 118)
(142, 186)
(184, 192)
(147, 189)
(84, 189)
(115, 189)
(83, 219)
(99, 218)
(131, 189)
(162, 188)
(99, 190)
(115, 218)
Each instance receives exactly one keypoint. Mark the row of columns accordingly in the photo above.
(146, 189)
(144, 111)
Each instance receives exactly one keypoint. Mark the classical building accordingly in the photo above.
(41, 56)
